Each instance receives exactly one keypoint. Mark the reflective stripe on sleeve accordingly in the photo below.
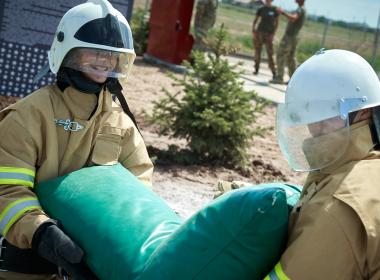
(277, 274)
(15, 210)
(17, 176)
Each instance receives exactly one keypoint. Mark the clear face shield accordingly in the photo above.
(113, 58)
(98, 64)
(308, 142)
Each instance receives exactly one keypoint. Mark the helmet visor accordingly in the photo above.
(108, 31)
(311, 146)
(99, 64)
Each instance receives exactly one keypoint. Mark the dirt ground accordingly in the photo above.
(189, 188)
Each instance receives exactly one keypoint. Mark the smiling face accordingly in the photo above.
(97, 64)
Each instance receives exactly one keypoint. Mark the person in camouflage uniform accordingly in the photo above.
(264, 34)
(287, 50)
(205, 17)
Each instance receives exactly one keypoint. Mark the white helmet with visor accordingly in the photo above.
(93, 38)
(313, 127)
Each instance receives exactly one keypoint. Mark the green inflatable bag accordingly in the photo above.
(241, 235)
(128, 232)
(115, 219)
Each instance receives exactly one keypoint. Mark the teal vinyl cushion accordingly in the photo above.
(241, 235)
(115, 219)
(128, 232)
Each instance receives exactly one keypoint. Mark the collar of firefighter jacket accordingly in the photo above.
(359, 148)
(81, 104)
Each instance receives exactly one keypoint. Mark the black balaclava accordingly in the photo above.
(70, 77)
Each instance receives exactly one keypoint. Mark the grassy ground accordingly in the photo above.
(238, 22)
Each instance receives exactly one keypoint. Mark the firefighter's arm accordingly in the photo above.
(20, 211)
(134, 156)
(320, 249)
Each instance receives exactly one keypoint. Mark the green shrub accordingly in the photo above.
(213, 113)
(140, 31)
(307, 49)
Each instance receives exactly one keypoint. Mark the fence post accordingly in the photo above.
(365, 29)
(375, 42)
(327, 24)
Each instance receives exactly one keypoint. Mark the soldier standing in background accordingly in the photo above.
(288, 45)
(264, 34)
(205, 17)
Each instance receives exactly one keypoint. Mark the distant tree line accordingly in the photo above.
(341, 23)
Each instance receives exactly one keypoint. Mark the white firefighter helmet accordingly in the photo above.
(312, 125)
(98, 32)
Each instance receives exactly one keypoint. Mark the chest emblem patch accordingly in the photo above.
(69, 125)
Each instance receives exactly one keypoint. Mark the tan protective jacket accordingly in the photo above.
(335, 228)
(49, 134)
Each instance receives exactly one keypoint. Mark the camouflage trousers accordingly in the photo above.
(286, 54)
(260, 39)
(200, 38)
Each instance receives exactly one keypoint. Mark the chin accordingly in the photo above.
(97, 79)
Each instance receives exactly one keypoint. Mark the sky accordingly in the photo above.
(346, 10)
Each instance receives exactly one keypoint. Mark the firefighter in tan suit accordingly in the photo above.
(62, 128)
(329, 126)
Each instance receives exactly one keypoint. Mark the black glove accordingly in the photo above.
(51, 243)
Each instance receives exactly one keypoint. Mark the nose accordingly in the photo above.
(103, 55)
(104, 58)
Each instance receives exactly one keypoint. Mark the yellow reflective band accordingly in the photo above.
(280, 273)
(17, 170)
(16, 182)
(17, 176)
(277, 274)
(15, 210)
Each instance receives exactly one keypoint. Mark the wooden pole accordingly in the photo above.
(376, 41)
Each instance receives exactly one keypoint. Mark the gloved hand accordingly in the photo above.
(51, 243)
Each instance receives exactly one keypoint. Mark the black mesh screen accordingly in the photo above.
(26, 33)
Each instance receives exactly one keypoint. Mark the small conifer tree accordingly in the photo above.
(212, 112)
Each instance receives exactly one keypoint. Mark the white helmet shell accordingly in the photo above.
(312, 126)
(80, 19)
(329, 77)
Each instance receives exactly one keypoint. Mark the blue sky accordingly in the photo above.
(347, 10)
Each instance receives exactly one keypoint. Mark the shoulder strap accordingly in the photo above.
(115, 87)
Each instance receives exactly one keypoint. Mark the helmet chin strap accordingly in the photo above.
(115, 88)
(375, 128)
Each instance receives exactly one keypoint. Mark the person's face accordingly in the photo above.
(326, 126)
(98, 62)
(268, 2)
